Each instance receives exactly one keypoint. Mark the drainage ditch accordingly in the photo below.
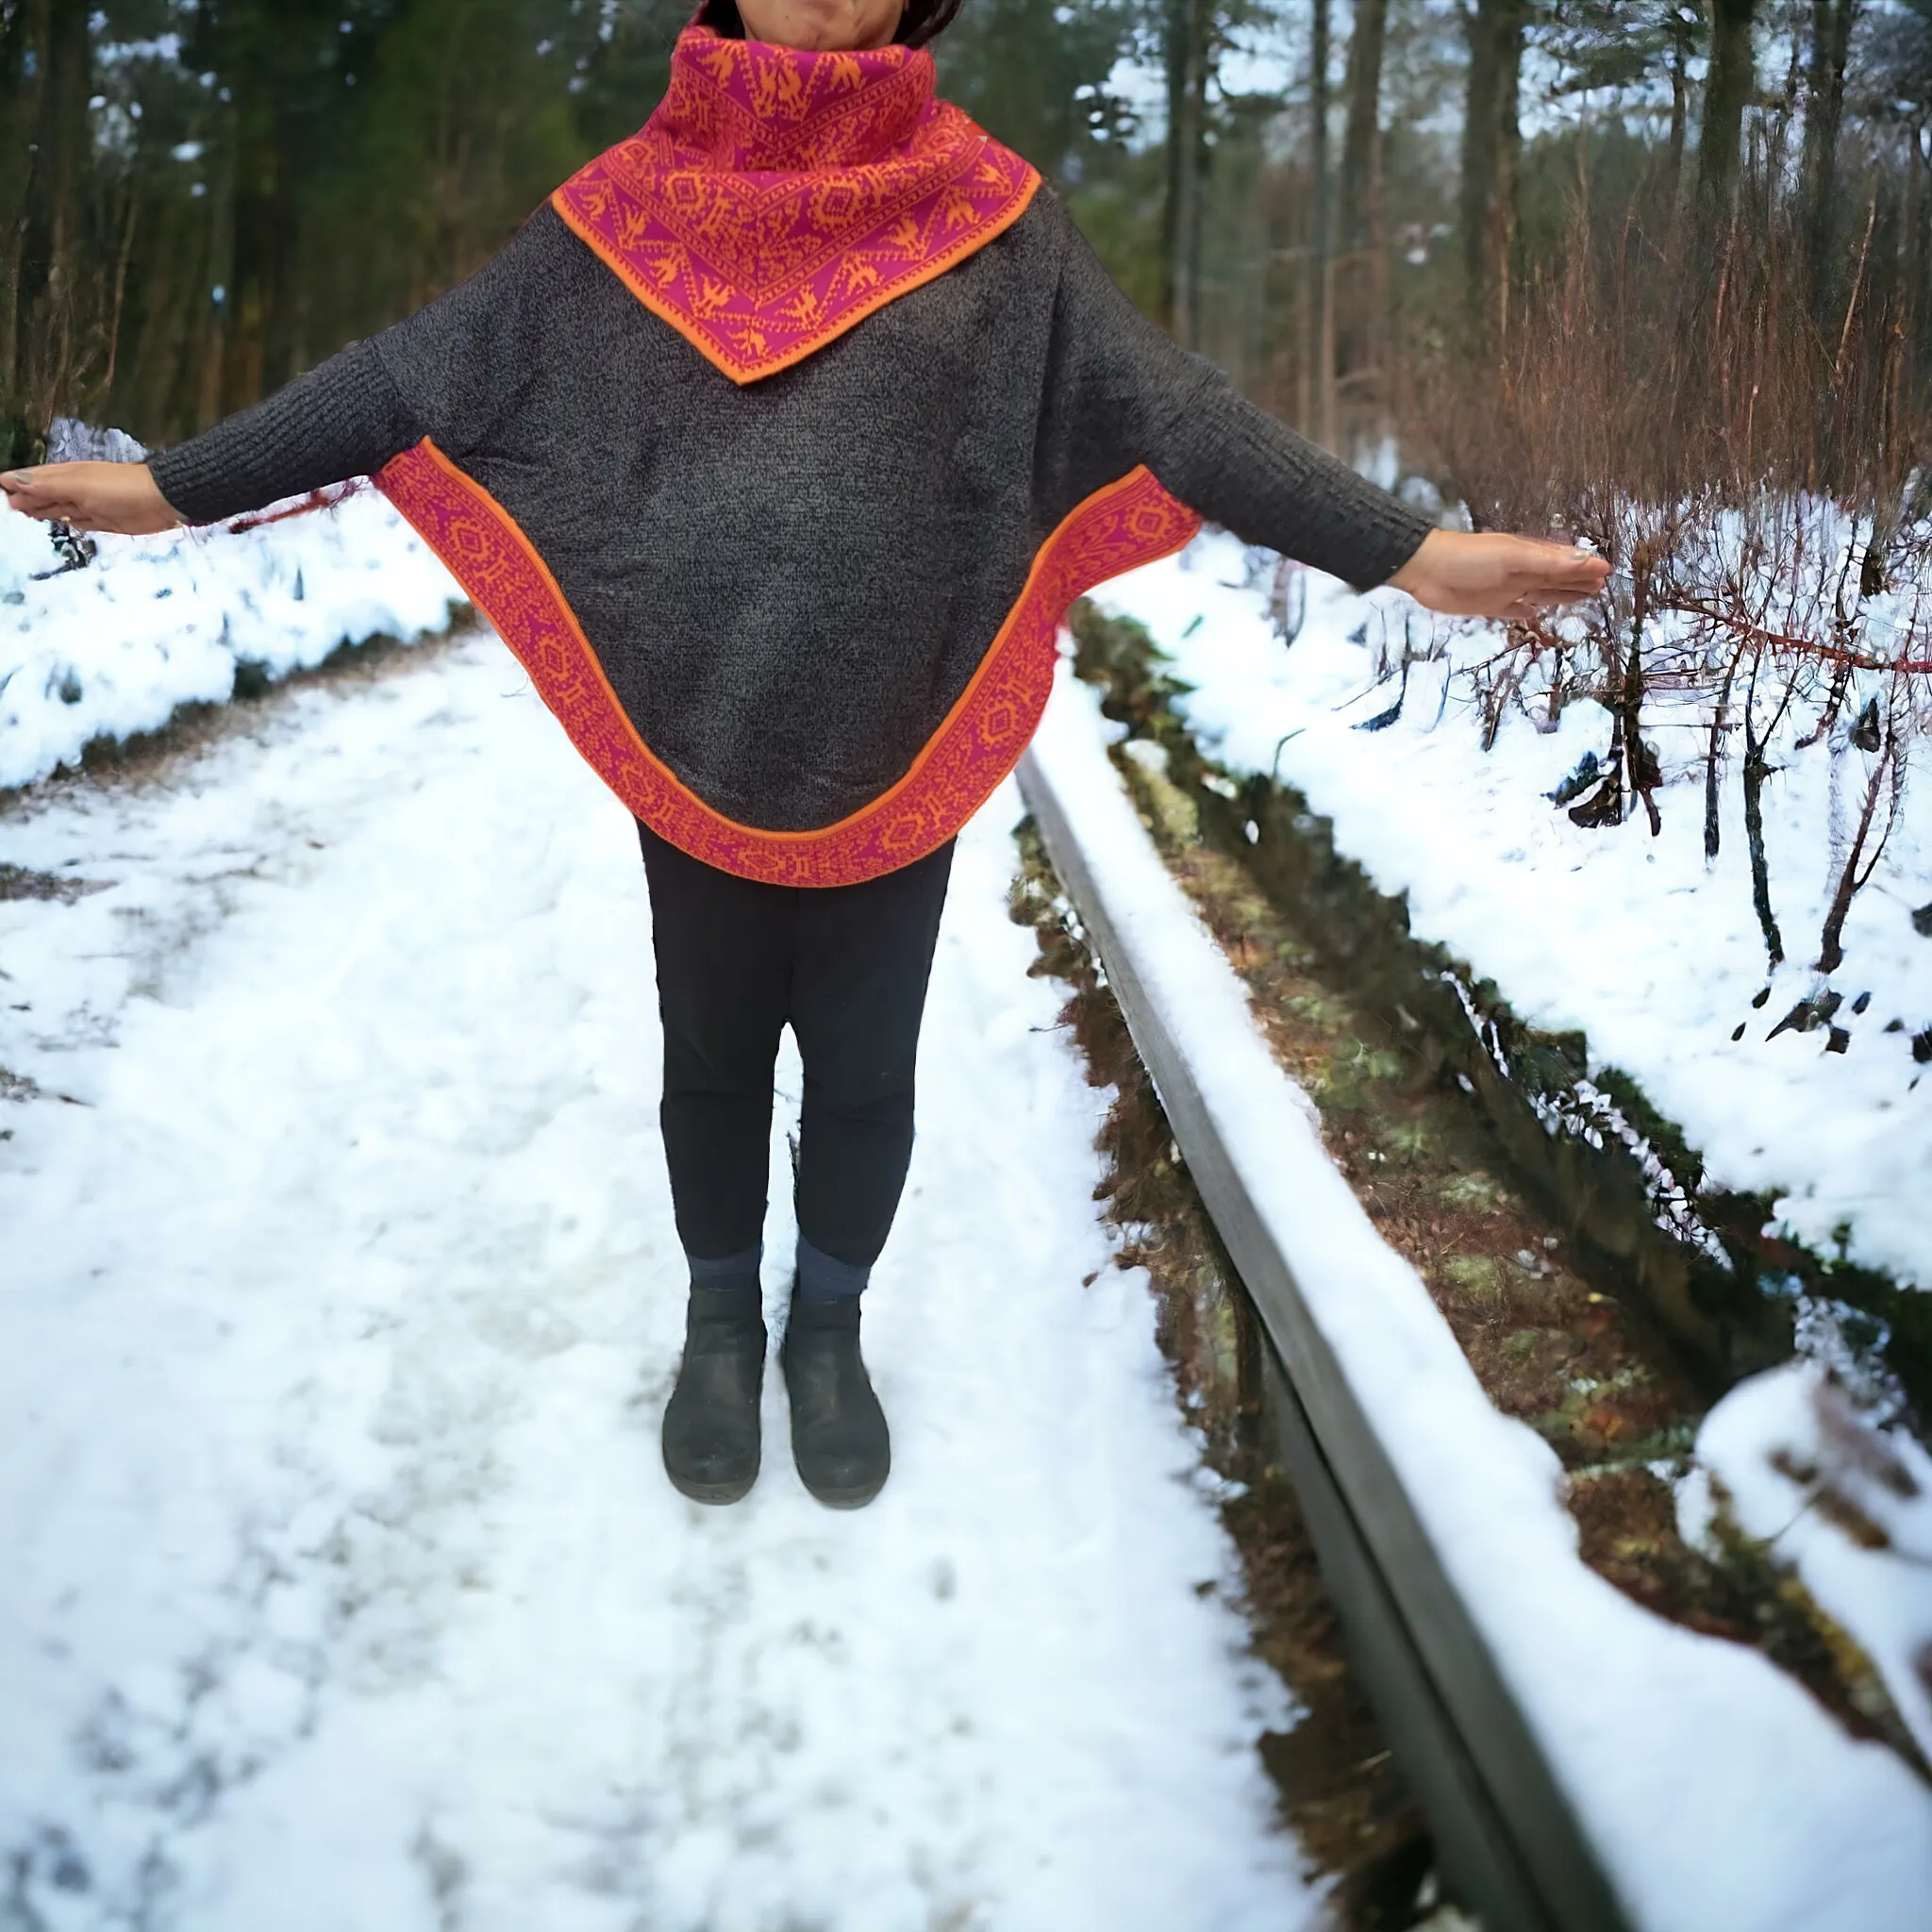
(1601, 1292)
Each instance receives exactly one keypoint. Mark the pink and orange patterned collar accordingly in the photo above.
(776, 197)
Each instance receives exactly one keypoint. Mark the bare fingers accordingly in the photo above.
(1559, 575)
(120, 499)
(1490, 575)
(28, 492)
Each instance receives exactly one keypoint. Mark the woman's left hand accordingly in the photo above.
(1487, 575)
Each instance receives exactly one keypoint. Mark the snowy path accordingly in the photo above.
(344, 1589)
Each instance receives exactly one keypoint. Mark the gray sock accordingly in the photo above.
(739, 1271)
(822, 1279)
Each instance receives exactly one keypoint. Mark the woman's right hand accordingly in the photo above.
(114, 499)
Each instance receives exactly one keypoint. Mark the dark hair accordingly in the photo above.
(924, 23)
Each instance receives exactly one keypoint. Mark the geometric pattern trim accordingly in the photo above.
(777, 198)
(1128, 523)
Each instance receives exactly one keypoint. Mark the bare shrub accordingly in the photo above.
(1755, 472)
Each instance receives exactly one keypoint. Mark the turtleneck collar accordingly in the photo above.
(750, 106)
(777, 198)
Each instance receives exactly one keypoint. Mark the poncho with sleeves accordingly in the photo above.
(776, 445)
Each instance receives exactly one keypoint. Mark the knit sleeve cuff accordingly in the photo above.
(342, 419)
(1239, 466)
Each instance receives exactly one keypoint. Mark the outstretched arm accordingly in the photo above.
(344, 418)
(1129, 385)
(444, 373)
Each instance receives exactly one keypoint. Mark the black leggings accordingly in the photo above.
(847, 966)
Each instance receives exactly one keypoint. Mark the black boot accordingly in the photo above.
(711, 1421)
(839, 1435)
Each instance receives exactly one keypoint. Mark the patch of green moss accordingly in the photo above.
(1476, 1193)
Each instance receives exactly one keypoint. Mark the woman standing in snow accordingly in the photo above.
(776, 446)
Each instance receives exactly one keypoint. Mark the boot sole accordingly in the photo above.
(715, 1494)
(845, 1499)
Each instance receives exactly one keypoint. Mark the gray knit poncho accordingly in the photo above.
(791, 585)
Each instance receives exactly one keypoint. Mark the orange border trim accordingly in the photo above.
(749, 358)
(1125, 524)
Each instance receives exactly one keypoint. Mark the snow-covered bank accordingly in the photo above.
(1848, 1508)
(344, 1586)
(1633, 940)
(155, 623)
(1716, 1790)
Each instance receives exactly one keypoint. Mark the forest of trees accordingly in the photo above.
(1346, 206)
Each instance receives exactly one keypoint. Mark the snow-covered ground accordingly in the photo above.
(343, 1583)
(1848, 1507)
(1635, 939)
(155, 623)
(1720, 1795)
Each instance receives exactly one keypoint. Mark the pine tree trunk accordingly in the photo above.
(54, 321)
(1680, 118)
(23, 36)
(1825, 101)
(1916, 249)
(1321, 237)
(1361, 146)
(261, 239)
(1187, 24)
(1491, 140)
(1727, 91)
(262, 224)
(46, 330)
(1359, 344)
